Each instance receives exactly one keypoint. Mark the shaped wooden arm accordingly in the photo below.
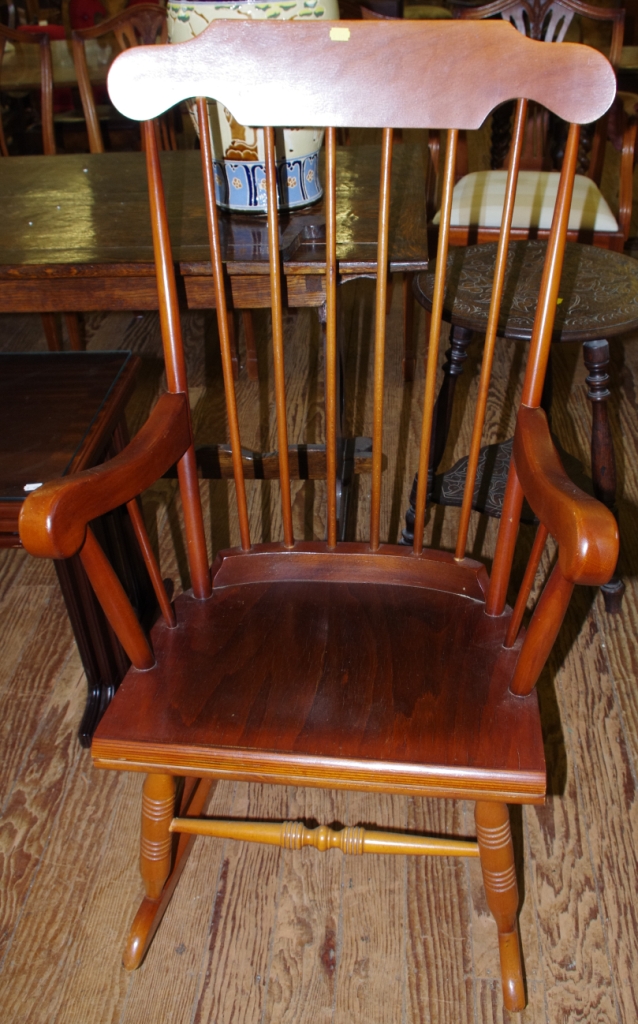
(54, 519)
(585, 531)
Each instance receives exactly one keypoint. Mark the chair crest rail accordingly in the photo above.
(373, 89)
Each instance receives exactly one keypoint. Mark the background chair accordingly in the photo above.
(478, 197)
(476, 214)
(141, 24)
(358, 665)
(42, 39)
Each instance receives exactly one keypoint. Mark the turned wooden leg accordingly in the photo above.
(251, 345)
(156, 804)
(158, 810)
(75, 329)
(499, 877)
(456, 355)
(51, 332)
(603, 460)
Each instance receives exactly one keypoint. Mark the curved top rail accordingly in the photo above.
(383, 74)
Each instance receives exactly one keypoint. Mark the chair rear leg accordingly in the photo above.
(499, 877)
(160, 869)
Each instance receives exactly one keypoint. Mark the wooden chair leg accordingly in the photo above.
(499, 877)
(51, 332)
(409, 354)
(158, 810)
(75, 330)
(603, 459)
(251, 344)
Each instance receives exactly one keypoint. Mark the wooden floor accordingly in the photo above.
(259, 935)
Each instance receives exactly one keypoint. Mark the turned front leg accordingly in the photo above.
(499, 878)
(603, 459)
(158, 808)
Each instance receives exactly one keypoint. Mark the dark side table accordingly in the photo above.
(598, 300)
(61, 412)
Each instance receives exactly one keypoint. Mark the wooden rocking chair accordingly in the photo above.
(362, 666)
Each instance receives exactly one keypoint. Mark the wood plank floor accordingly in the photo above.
(259, 935)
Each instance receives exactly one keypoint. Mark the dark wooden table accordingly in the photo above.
(76, 232)
(76, 236)
(598, 300)
(61, 413)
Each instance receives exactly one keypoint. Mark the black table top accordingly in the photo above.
(56, 410)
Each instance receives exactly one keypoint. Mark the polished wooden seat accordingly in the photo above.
(348, 665)
(374, 660)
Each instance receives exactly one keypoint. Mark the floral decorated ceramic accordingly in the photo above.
(240, 176)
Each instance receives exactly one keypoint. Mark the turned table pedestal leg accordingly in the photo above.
(603, 460)
(456, 355)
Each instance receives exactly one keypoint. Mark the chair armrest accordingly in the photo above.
(54, 518)
(584, 529)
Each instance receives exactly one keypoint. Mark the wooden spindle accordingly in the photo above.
(534, 373)
(278, 334)
(533, 562)
(436, 317)
(505, 544)
(46, 74)
(293, 835)
(94, 132)
(550, 281)
(117, 607)
(150, 562)
(175, 364)
(492, 326)
(379, 337)
(542, 631)
(331, 333)
(222, 318)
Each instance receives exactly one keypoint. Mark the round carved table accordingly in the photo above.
(598, 300)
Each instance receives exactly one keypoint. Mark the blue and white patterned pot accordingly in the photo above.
(240, 176)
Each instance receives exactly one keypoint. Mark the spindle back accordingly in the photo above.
(358, 74)
(19, 39)
(549, 20)
(140, 25)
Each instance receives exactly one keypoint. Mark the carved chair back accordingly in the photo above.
(19, 39)
(141, 25)
(549, 21)
(412, 91)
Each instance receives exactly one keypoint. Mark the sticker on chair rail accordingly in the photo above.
(339, 35)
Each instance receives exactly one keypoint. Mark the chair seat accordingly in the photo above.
(477, 201)
(401, 685)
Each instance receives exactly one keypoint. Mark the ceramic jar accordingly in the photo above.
(240, 175)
